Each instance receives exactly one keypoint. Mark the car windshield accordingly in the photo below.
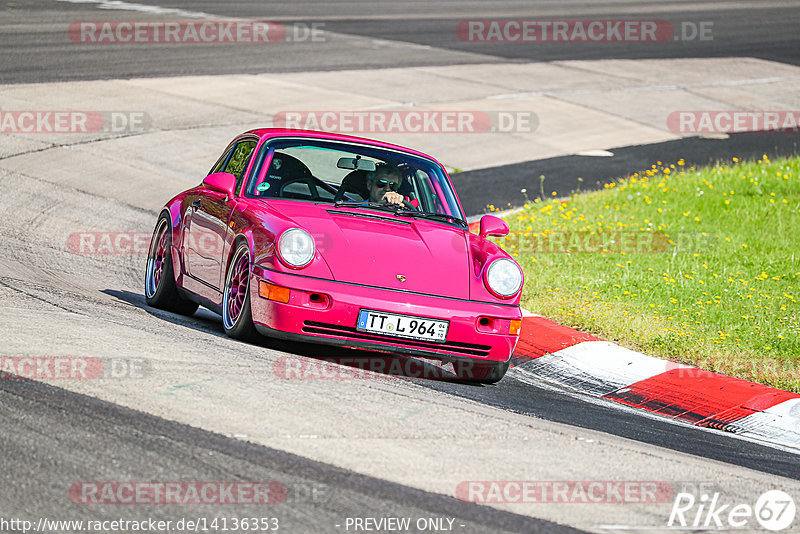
(352, 175)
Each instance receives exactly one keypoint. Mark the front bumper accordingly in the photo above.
(325, 311)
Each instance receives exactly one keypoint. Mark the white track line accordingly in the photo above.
(142, 8)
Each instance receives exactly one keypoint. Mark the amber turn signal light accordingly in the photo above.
(516, 326)
(273, 292)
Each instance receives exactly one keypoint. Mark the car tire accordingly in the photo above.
(480, 373)
(160, 290)
(237, 316)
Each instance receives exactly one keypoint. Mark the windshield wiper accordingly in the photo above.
(432, 215)
(365, 204)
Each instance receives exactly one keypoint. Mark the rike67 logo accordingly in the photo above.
(774, 510)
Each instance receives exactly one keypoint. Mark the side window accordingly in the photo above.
(237, 163)
(220, 162)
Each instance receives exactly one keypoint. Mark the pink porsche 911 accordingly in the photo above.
(338, 240)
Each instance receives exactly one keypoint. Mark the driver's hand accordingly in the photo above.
(393, 197)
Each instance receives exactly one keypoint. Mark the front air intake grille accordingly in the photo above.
(452, 347)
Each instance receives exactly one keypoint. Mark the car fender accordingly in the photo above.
(482, 252)
(175, 209)
(261, 226)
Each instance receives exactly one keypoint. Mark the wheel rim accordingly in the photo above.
(156, 259)
(236, 287)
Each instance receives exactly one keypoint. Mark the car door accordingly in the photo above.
(207, 217)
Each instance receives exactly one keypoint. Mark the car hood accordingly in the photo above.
(379, 249)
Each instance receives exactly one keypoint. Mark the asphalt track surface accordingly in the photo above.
(520, 396)
(95, 440)
(36, 47)
(52, 437)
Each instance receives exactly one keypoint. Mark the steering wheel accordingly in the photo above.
(409, 205)
(309, 181)
(406, 204)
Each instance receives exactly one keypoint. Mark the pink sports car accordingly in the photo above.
(339, 240)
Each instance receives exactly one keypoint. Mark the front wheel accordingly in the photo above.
(237, 317)
(160, 290)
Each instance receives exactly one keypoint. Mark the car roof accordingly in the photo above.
(268, 133)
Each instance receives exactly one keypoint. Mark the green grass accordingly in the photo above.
(699, 266)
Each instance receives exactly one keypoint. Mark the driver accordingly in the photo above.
(383, 184)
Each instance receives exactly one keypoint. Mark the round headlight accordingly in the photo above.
(296, 247)
(504, 278)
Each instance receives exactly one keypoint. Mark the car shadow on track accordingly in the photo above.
(311, 360)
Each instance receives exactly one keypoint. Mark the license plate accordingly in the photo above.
(408, 326)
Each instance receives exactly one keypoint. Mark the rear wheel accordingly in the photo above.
(160, 290)
(480, 373)
(237, 317)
